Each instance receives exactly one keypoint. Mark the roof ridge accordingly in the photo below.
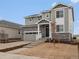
(9, 22)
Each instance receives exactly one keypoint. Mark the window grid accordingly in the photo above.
(59, 14)
(59, 28)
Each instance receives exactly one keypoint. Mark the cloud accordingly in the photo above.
(74, 1)
(54, 4)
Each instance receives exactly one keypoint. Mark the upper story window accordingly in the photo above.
(59, 14)
(59, 28)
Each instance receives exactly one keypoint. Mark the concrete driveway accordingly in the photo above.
(15, 56)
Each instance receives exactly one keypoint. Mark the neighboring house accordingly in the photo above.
(54, 23)
(11, 30)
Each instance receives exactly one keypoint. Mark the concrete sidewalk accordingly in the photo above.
(15, 56)
(16, 50)
(6, 46)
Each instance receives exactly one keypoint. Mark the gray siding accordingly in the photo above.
(30, 29)
(66, 17)
(46, 16)
(53, 15)
(30, 21)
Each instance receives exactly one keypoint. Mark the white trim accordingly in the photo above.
(38, 29)
(49, 23)
(41, 20)
(43, 23)
(61, 4)
(50, 32)
(59, 9)
(29, 31)
(61, 32)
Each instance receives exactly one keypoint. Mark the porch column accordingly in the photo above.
(38, 31)
(50, 34)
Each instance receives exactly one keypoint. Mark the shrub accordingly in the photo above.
(74, 37)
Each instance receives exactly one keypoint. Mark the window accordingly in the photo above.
(59, 14)
(31, 33)
(59, 28)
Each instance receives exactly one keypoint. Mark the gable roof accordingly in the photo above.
(61, 5)
(42, 20)
(47, 11)
(34, 15)
(4, 23)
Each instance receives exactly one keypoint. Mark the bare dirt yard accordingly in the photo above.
(49, 51)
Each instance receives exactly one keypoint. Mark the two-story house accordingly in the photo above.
(53, 23)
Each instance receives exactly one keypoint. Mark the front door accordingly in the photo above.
(44, 30)
(47, 31)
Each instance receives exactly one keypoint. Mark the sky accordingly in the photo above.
(16, 10)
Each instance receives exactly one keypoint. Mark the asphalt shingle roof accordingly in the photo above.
(5, 23)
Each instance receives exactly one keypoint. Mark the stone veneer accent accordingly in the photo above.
(62, 36)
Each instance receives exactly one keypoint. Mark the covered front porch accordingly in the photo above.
(44, 29)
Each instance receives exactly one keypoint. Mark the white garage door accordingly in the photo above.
(31, 36)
